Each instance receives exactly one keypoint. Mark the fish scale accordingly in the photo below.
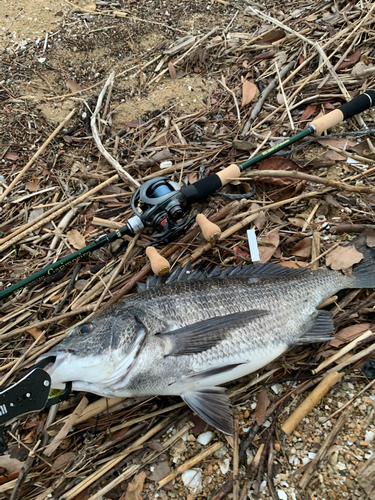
(190, 333)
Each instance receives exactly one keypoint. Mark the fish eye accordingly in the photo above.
(86, 329)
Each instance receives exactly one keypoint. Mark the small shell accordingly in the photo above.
(192, 478)
(205, 437)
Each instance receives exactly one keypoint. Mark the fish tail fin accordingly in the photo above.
(364, 272)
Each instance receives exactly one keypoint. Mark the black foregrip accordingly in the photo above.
(201, 189)
(358, 104)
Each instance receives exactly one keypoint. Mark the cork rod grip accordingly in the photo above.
(211, 232)
(347, 110)
(159, 264)
(229, 173)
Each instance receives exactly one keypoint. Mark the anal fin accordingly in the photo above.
(321, 330)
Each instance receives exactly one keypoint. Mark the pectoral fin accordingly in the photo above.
(201, 336)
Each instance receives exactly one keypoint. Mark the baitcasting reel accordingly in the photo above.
(160, 204)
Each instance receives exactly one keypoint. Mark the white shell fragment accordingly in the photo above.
(205, 437)
(369, 436)
(192, 478)
(224, 465)
(282, 495)
(166, 164)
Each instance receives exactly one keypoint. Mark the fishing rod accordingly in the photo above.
(161, 204)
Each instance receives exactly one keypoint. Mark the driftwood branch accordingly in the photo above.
(95, 133)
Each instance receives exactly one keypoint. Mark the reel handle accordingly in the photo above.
(211, 232)
(159, 264)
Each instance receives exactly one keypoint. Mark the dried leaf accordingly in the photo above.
(62, 461)
(297, 222)
(265, 55)
(76, 239)
(134, 123)
(267, 245)
(343, 258)
(73, 86)
(341, 143)
(273, 36)
(162, 155)
(172, 70)
(80, 284)
(34, 214)
(36, 333)
(359, 67)
(349, 333)
(279, 163)
(351, 60)
(158, 470)
(12, 156)
(370, 237)
(261, 220)
(249, 91)
(302, 248)
(262, 405)
(309, 111)
(32, 186)
(134, 491)
(293, 264)
(10, 464)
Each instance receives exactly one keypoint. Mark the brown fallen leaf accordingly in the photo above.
(273, 36)
(262, 405)
(76, 239)
(349, 333)
(134, 491)
(341, 143)
(296, 221)
(293, 264)
(265, 55)
(34, 214)
(261, 220)
(36, 333)
(267, 245)
(172, 70)
(350, 60)
(134, 123)
(309, 111)
(31, 186)
(343, 258)
(73, 86)
(12, 156)
(279, 163)
(249, 91)
(302, 248)
(62, 461)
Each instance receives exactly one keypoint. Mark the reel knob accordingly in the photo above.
(211, 232)
(159, 264)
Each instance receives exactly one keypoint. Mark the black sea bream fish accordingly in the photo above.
(189, 333)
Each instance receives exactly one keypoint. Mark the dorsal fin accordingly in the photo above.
(188, 273)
